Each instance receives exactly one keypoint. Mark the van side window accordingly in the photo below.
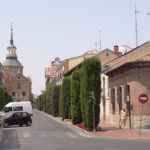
(18, 108)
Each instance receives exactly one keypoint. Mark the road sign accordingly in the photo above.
(143, 98)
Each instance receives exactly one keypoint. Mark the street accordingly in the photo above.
(48, 134)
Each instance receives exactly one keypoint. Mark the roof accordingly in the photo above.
(12, 62)
(89, 52)
(141, 52)
(99, 55)
(130, 65)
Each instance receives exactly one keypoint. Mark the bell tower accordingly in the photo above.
(12, 48)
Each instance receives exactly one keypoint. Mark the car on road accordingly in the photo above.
(17, 118)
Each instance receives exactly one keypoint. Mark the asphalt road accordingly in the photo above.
(48, 134)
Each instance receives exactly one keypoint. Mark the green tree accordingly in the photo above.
(55, 100)
(76, 115)
(65, 103)
(4, 98)
(90, 91)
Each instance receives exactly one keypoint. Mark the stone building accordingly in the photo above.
(16, 84)
(128, 79)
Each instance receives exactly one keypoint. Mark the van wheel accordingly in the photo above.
(20, 125)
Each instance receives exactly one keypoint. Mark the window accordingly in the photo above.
(18, 86)
(18, 108)
(120, 98)
(13, 94)
(7, 109)
(113, 99)
(23, 93)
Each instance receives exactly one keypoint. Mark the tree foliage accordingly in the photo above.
(65, 99)
(90, 91)
(76, 115)
(4, 98)
(55, 100)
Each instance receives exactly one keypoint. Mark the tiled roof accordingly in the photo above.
(141, 52)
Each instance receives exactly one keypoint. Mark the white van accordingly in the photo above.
(24, 106)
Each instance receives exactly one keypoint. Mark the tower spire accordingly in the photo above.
(11, 36)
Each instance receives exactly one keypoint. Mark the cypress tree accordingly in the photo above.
(65, 103)
(76, 115)
(90, 91)
(55, 100)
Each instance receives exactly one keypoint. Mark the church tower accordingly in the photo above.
(17, 85)
(12, 64)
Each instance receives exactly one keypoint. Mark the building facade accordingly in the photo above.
(54, 71)
(128, 79)
(16, 84)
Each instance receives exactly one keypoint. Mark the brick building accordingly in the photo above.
(16, 84)
(128, 78)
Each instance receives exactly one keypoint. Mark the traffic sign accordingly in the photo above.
(143, 98)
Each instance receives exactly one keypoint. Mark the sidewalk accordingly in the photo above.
(116, 133)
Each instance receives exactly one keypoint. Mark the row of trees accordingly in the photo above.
(4, 98)
(78, 98)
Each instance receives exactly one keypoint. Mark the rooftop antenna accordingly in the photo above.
(95, 45)
(136, 26)
(100, 40)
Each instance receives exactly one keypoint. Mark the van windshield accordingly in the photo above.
(7, 109)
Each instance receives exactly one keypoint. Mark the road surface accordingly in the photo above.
(48, 134)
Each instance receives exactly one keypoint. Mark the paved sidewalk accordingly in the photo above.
(106, 132)
(116, 133)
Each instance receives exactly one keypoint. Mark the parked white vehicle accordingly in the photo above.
(24, 106)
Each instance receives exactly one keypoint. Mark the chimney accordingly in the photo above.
(116, 49)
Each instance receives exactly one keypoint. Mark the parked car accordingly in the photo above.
(17, 118)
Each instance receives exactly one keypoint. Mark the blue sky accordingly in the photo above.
(45, 29)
